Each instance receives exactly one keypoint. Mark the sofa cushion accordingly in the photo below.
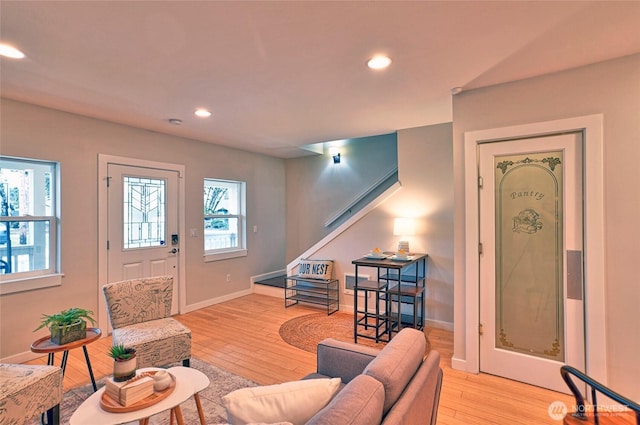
(344, 359)
(397, 363)
(294, 402)
(157, 342)
(359, 403)
(424, 391)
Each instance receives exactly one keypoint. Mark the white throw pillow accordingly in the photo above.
(294, 402)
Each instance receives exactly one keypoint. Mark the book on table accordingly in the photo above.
(129, 392)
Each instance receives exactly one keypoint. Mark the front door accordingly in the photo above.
(143, 237)
(531, 286)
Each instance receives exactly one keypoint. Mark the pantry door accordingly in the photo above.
(531, 262)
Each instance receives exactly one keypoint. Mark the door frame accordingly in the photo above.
(103, 162)
(591, 127)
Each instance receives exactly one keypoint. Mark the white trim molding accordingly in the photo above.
(591, 127)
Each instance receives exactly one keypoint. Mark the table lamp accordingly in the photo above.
(403, 227)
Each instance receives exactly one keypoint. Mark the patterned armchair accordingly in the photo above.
(139, 310)
(29, 390)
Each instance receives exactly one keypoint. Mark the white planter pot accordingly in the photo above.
(124, 370)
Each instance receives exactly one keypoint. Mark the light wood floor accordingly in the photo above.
(241, 336)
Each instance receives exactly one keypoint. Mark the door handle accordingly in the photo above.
(174, 251)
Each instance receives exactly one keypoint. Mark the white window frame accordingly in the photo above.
(51, 276)
(241, 249)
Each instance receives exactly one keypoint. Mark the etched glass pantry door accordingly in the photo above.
(531, 306)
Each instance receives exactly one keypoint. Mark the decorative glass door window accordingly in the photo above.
(529, 254)
(144, 212)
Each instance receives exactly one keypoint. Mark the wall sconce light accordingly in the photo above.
(335, 153)
(404, 227)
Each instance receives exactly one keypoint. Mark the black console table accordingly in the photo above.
(397, 282)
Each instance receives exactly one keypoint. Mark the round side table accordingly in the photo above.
(44, 345)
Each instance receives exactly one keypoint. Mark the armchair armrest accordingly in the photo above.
(343, 359)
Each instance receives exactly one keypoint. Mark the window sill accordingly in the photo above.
(30, 283)
(225, 255)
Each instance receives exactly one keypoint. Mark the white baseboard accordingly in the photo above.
(270, 291)
(203, 304)
(254, 289)
(458, 364)
(346, 308)
(438, 324)
(25, 356)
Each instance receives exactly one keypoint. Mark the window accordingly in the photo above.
(224, 219)
(144, 212)
(28, 223)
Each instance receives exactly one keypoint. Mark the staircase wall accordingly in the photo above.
(317, 189)
(425, 170)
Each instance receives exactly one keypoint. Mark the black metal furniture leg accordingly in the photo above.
(86, 357)
(53, 415)
(63, 364)
(186, 362)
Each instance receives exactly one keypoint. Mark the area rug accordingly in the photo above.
(222, 383)
(305, 332)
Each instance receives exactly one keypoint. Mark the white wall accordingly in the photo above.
(425, 159)
(610, 88)
(33, 132)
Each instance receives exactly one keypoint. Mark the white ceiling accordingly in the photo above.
(280, 75)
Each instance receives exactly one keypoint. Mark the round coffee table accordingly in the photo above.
(45, 345)
(90, 411)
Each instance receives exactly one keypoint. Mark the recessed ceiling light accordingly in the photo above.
(379, 62)
(10, 51)
(175, 121)
(202, 113)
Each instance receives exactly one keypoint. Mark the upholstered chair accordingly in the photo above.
(139, 310)
(29, 390)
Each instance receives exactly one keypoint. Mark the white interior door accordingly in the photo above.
(531, 280)
(143, 238)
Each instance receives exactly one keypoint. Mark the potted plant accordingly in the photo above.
(125, 362)
(68, 325)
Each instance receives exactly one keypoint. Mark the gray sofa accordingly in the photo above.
(393, 386)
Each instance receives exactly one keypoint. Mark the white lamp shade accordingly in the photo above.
(404, 227)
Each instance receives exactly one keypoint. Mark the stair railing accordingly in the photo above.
(567, 371)
(352, 205)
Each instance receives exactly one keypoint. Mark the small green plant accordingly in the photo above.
(119, 352)
(65, 317)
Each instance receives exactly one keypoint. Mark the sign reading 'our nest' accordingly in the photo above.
(315, 269)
